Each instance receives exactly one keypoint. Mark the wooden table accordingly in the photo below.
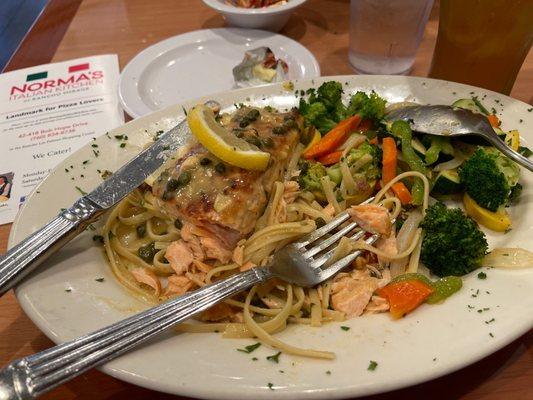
(72, 28)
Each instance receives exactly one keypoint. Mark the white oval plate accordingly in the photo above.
(199, 63)
(433, 341)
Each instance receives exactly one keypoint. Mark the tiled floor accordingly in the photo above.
(16, 18)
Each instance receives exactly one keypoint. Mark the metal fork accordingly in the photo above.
(296, 263)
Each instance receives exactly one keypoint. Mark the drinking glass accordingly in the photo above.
(483, 42)
(385, 34)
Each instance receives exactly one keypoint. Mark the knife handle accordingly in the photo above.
(23, 258)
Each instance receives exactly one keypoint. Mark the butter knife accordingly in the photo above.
(23, 258)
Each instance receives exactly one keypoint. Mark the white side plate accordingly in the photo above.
(199, 63)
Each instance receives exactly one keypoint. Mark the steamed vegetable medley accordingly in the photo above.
(351, 154)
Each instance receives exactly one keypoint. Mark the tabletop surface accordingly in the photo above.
(70, 29)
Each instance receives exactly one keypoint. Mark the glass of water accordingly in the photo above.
(385, 34)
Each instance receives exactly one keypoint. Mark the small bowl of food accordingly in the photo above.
(269, 15)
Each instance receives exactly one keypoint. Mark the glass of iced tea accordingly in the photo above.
(483, 42)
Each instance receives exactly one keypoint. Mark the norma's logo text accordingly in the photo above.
(39, 81)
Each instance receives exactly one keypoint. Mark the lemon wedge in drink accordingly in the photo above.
(223, 144)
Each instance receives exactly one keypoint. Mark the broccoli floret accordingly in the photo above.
(488, 177)
(310, 174)
(324, 107)
(453, 243)
(371, 170)
(330, 93)
(369, 107)
(317, 115)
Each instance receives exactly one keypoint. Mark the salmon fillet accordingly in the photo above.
(222, 199)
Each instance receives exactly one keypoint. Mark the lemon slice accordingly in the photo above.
(223, 144)
(497, 221)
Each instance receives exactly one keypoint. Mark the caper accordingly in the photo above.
(279, 130)
(252, 115)
(184, 178)
(220, 168)
(290, 124)
(238, 132)
(205, 161)
(172, 185)
(320, 222)
(147, 252)
(254, 140)
(268, 142)
(178, 224)
(141, 231)
(244, 122)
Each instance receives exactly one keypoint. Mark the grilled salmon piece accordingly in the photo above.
(372, 218)
(225, 200)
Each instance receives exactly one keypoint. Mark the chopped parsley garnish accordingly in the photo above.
(250, 348)
(119, 137)
(490, 334)
(328, 372)
(482, 275)
(122, 145)
(255, 358)
(372, 365)
(345, 328)
(274, 357)
(490, 321)
(94, 145)
(79, 189)
(85, 162)
(99, 279)
(68, 290)
(106, 174)
(270, 385)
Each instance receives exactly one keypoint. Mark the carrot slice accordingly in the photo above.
(390, 162)
(405, 296)
(390, 159)
(494, 121)
(401, 191)
(331, 158)
(334, 138)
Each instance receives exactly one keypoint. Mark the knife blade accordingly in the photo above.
(133, 173)
(23, 258)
